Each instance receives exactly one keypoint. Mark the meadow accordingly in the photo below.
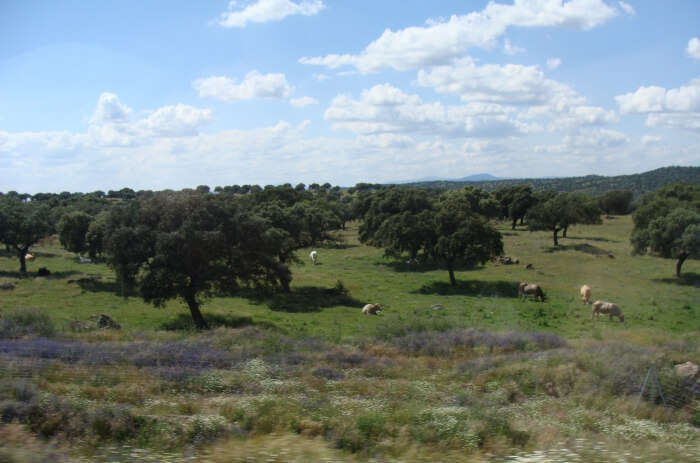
(445, 373)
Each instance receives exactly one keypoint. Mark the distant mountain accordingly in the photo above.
(591, 184)
(479, 178)
(471, 178)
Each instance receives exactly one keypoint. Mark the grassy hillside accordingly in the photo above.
(591, 184)
(465, 373)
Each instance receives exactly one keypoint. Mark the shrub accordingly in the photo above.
(19, 446)
(207, 428)
(328, 373)
(25, 322)
(440, 343)
(116, 423)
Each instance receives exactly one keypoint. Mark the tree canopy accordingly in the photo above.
(616, 202)
(562, 211)
(667, 223)
(72, 231)
(23, 224)
(451, 231)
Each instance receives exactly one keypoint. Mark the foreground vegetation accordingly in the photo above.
(465, 372)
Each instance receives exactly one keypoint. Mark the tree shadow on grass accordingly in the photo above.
(402, 266)
(585, 247)
(471, 288)
(339, 246)
(309, 299)
(94, 285)
(44, 254)
(591, 238)
(51, 276)
(183, 322)
(686, 279)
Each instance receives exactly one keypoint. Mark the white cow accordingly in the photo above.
(607, 308)
(371, 309)
(314, 256)
(585, 294)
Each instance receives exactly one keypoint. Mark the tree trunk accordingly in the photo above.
(679, 263)
(123, 287)
(515, 221)
(453, 280)
(197, 317)
(22, 262)
(522, 220)
(563, 233)
(556, 241)
(285, 285)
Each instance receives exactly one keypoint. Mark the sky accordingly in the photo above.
(155, 94)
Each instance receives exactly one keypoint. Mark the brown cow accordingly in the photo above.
(531, 289)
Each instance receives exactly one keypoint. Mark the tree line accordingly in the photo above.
(196, 243)
(594, 185)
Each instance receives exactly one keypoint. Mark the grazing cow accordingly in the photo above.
(29, 257)
(371, 309)
(314, 256)
(585, 294)
(531, 289)
(603, 307)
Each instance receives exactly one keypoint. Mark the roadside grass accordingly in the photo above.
(249, 392)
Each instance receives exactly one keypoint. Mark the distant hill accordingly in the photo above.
(591, 184)
(471, 178)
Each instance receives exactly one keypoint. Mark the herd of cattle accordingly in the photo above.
(524, 290)
(535, 290)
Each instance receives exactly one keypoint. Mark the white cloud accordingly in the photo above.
(599, 139)
(110, 109)
(553, 63)
(111, 125)
(677, 108)
(629, 9)
(388, 140)
(440, 41)
(386, 109)
(577, 116)
(263, 11)
(303, 101)
(510, 49)
(648, 140)
(510, 83)
(693, 48)
(657, 99)
(686, 121)
(177, 120)
(255, 85)
(524, 87)
(321, 77)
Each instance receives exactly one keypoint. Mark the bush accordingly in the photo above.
(328, 373)
(26, 322)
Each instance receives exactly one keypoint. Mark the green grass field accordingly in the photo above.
(651, 297)
(306, 377)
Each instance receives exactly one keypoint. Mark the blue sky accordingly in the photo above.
(152, 95)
